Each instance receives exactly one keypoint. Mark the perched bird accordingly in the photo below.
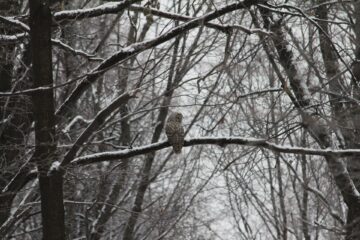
(175, 131)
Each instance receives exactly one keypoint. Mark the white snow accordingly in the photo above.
(103, 7)
(55, 166)
(75, 120)
(12, 38)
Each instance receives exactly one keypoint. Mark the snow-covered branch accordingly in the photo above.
(8, 39)
(15, 22)
(20, 36)
(222, 142)
(15, 38)
(138, 47)
(96, 123)
(75, 120)
(73, 50)
(106, 8)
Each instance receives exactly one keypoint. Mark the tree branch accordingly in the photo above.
(222, 142)
(96, 123)
(174, 16)
(106, 8)
(136, 48)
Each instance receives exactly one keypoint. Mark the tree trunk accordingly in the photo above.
(52, 208)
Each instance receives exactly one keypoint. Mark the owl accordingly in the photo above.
(175, 131)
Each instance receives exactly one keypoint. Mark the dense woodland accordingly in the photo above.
(270, 97)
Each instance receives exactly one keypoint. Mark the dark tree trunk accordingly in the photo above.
(52, 208)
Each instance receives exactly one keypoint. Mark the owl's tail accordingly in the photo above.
(177, 149)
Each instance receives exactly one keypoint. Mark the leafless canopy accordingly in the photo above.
(269, 95)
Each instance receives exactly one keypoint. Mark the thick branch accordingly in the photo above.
(222, 142)
(106, 8)
(12, 39)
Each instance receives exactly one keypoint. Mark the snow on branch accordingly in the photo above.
(96, 123)
(14, 22)
(19, 36)
(75, 120)
(138, 47)
(8, 39)
(73, 50)
(222, 142)
(13, 39)
(106, 8)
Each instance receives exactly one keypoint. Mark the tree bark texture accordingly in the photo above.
(342, 174)
(52, 208)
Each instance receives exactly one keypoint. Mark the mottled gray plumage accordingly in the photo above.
(175, 131)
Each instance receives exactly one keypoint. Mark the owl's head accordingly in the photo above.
(176, 117)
